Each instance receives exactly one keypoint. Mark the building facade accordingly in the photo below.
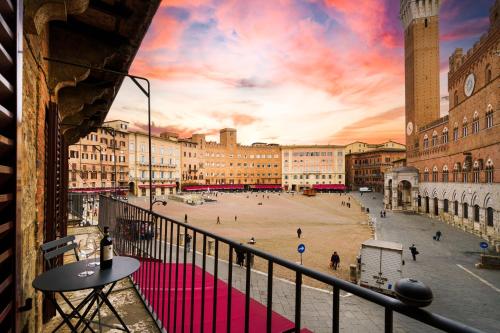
(450, 172)
(99, 162)
(361, 147)
(367, 168)
(309, 166)
(191, 163)
(165, 162)
(228, 162)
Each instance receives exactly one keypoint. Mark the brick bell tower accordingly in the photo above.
(420, 19)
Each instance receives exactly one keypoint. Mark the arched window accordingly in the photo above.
(489, 217)
(476, 213)
(435, 174)
(445, 174)
(475, 123)
(455, 132)
(475, 172)
(445, 205)
(426, 141)
(456, 170)
(465, 175)
(465, 207)
(444, 135)
(487, 74)
(434, 138)
(489, 116)
(489, 171)
(426, 175)
(464, 127)
(455, 207)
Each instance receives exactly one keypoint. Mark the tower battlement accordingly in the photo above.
(410, 10)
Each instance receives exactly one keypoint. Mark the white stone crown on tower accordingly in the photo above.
(414, 9)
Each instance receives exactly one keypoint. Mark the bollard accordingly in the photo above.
(181, 239)
(353, 273)
(211, 247)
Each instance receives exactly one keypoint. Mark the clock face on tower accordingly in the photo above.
(469, 84)
(409, 128)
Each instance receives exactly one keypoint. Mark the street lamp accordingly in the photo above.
(146, 91)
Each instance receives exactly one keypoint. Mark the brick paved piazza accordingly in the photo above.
(458, 294)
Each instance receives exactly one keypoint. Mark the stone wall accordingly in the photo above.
(35, 102)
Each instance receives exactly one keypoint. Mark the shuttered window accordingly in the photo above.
(8, 108)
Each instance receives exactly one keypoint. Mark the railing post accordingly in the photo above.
(216, 275)
(204, 265)
(298, 299)
(247, 293)
(193, 271)
(269, 296)
(229, 289)
(336, 309)
(388, 320)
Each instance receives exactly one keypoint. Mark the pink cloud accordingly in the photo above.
(388, 125)
(466, 29)
(367, 19)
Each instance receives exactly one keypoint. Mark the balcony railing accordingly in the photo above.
(157, 241)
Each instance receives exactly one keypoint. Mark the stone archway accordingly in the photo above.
(436, 207)
(401, 189)
(404, 194)
(427, 205)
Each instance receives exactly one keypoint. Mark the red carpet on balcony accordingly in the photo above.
(156, 288)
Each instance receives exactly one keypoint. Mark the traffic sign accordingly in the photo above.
(483, 245)
(301, 248)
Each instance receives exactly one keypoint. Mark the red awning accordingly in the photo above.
(214, 187)
(266, 186)
(337, 187)
(156, 185)
(97, 189)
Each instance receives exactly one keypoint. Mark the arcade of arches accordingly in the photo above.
(472, 207)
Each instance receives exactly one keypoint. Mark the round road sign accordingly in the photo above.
(301, 248)
(483, 245)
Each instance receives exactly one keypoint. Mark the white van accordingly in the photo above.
(381, 265)
(365, 189)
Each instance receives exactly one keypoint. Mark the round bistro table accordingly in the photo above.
(65, 279)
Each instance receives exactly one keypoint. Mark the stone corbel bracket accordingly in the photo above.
(37, 13)
(72, 46)
(73, 100)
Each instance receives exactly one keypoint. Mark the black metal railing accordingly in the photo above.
(160, 242)
(82, 208)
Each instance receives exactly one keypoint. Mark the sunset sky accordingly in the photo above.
(284, 71)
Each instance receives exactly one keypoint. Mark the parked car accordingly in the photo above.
(365, 189)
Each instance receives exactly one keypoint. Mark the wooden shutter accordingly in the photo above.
(8, 132)
(56, 175)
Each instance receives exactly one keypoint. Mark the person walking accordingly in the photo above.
(218, 220)
(414, 252)
(438, 235)
(188, 242)
(335, 260)
(185, 218)
(235, 218)
(240, 256)
(299, 232)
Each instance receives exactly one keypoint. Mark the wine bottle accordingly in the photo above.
(106, 250)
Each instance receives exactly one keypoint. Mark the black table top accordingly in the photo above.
(65, 278)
